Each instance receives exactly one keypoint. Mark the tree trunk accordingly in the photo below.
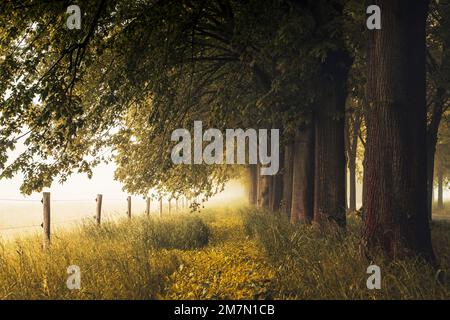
(440, 203)
(253, 180)
(264, 184)
(395, 208)
(258, 185)
(287, 179)
(352, 187)
(346, 185)
(329, 182)
(270, 182)
(303, 176)
(263, 189)
(432, 136)
(353, 148)
(437, 111)
(277, 187)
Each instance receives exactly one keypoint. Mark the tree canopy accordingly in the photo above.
(136, 70)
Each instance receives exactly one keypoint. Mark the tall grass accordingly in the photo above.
(311, 265)
(217, 254)
(118, 260)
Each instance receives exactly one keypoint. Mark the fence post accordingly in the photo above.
(99, 208)
(129, 206)
(147, 209)
(176, 204)
(160, 206)
(46, 223)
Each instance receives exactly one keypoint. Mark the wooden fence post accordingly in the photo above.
(147, 209)
(129, 206)
(160, 206)
(99, 208)
(46, 223)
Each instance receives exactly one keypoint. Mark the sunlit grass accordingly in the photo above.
(220, 253)
(127, 259)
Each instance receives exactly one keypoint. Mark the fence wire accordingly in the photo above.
(29, 226)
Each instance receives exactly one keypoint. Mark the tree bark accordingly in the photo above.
(258, 185)
(395, 208)
(346, 185)
(432, 137)
(440, 176)
(352, 187)
(287, 179)
(329, 182)
(277, 187)
(436, 113)
(303, 176)
(264, 184)
(253, 180)
(263, 189)
(353, 148)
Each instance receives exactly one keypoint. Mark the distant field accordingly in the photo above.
(18, 218)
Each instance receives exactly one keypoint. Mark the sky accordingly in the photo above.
(78, 186)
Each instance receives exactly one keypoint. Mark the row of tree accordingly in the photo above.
(137, 70)
(396, 153)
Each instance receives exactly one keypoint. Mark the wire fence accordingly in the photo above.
(77, 219)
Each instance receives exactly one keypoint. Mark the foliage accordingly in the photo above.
(139, 69)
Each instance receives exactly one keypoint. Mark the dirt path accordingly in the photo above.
(230, 267)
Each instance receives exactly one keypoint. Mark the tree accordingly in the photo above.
(329, 179)
(353, 131)
(139, 69)
(302, 209)
(354, 126)
(440, 182)
(287, 179)
(252, 184)
(395, 218)
(276, 196)
(438, 67)
(442, 160)
(329, 182)
(318, 191)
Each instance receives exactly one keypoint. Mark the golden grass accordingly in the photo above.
(227, 253)
(313, 266)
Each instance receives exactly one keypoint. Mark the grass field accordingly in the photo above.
(227, 253)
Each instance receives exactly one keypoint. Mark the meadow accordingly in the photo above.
(220, 253)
